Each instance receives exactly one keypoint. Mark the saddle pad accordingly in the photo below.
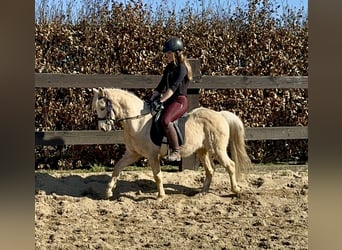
(157, 132)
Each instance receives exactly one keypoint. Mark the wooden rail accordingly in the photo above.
(47, 80)
(88, 137)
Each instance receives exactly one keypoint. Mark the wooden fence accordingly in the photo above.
(83, 137)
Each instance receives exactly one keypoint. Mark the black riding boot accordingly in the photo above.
(172, 138)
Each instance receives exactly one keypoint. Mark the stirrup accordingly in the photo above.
(174, 156)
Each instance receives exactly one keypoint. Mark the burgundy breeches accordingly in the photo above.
(174, 110)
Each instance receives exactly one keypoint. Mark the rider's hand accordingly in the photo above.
(157, 105)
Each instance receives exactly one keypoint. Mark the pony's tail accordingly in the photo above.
(237, 146)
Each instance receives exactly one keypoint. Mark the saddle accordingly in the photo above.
(157, 134)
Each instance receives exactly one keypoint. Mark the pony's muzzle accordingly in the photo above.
(103, 126)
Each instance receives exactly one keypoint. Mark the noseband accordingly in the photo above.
(109, 107)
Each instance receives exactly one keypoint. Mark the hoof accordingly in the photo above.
(236, 190)
(108, 194)
(160, 197)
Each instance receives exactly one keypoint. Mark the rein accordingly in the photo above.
(133, 117)
(109, 107)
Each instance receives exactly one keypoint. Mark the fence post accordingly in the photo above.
(192, 161)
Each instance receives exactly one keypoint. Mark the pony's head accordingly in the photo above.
(103, 107)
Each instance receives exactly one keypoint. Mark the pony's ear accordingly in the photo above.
(101, 92)
(95, 91)
(95, 97)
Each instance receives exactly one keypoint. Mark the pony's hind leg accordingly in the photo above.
(157, 174)
(209, 170)
(230, 167)
(128, 158)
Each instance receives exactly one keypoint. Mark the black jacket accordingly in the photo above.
(175, 78)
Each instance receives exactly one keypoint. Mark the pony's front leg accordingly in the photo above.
(128, 158)
(157, 174)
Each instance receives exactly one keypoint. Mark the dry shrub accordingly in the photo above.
(112, 38)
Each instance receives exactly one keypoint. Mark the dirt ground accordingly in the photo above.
(272, 212)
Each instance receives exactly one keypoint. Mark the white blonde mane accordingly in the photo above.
(126, 103)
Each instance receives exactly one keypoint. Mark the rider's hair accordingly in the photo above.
(181, 58)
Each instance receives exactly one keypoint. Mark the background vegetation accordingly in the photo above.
(107, 37)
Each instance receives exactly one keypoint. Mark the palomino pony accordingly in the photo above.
(207, 132)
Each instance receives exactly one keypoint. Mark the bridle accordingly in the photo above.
(108, 118)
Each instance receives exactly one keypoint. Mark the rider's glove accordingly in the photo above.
(157, 106)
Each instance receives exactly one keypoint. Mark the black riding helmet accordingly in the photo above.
(173, 44)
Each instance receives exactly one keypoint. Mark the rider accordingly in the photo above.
(171, 91)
